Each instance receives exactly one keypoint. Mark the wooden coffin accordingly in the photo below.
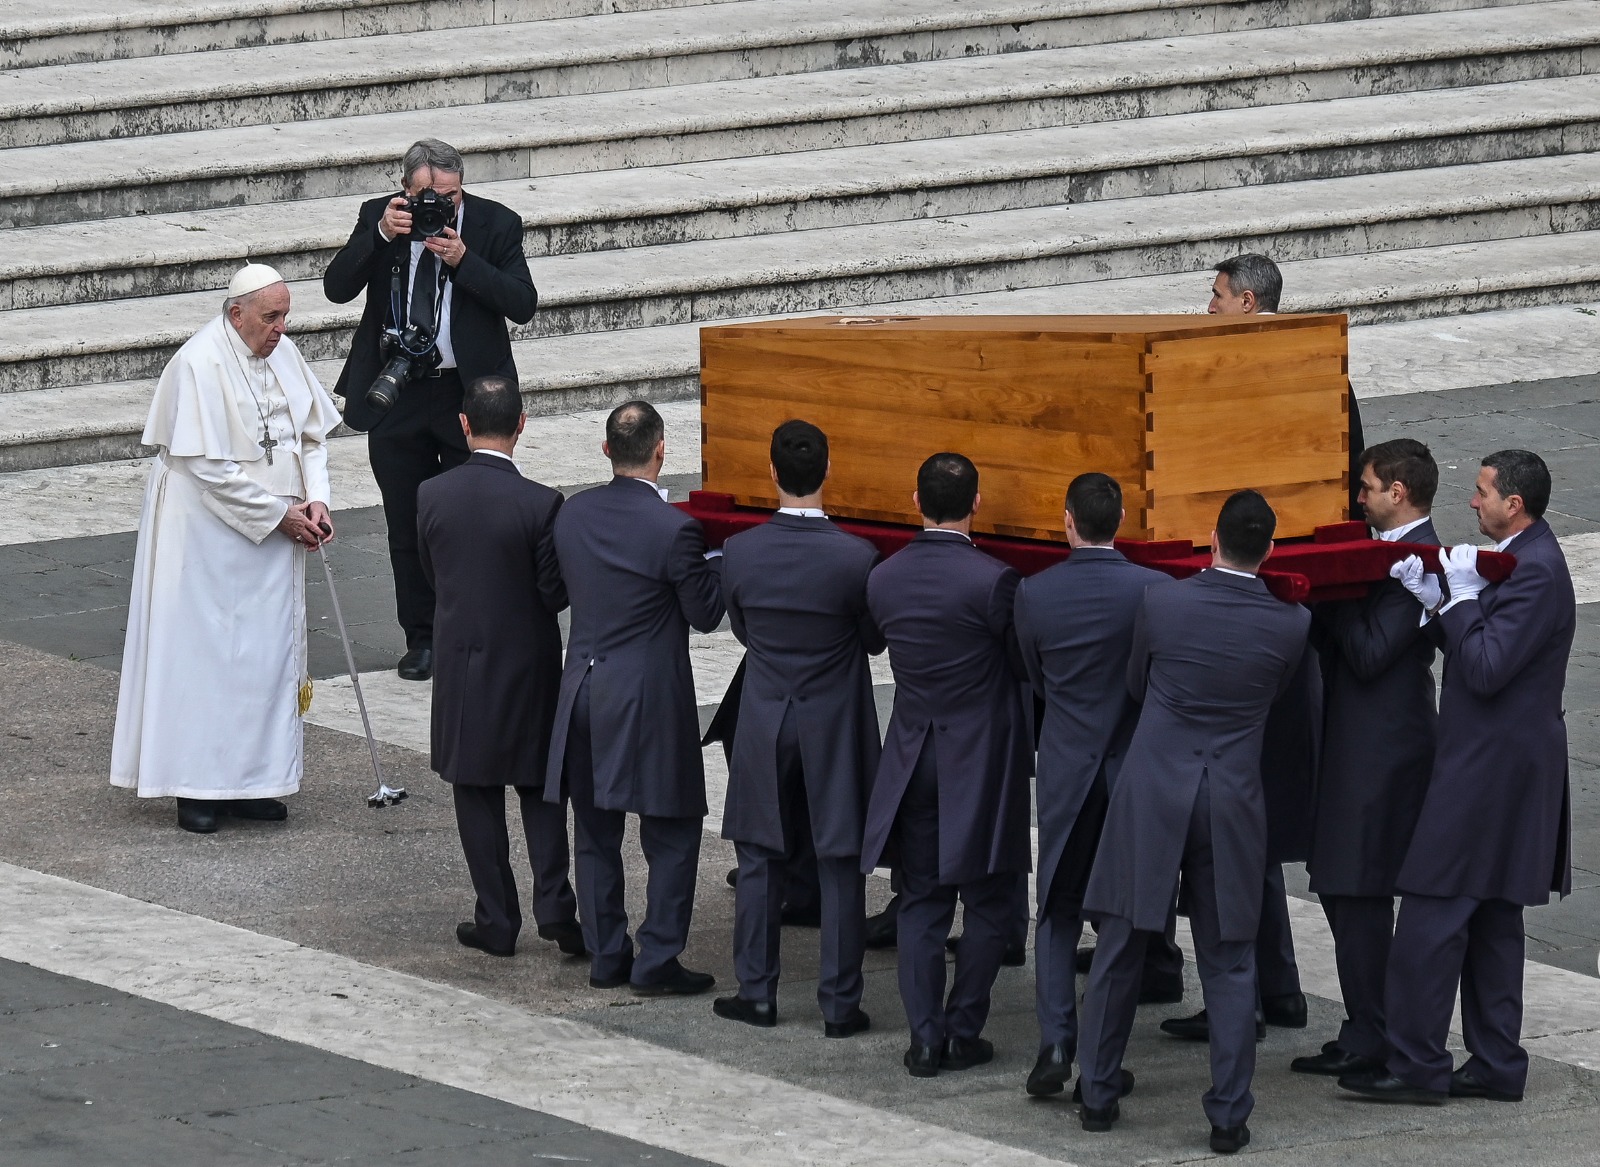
(1182, 410)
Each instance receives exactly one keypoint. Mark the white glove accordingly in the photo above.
(1460, 566)
(1418, 582)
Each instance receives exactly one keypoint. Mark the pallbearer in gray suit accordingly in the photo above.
(1377, 753)
(1210, 654)
(1075, 630)
(951, 794)
(627, 737)
(487, 549)
(1494, 833)
(806, 744)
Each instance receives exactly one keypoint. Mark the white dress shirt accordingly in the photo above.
(447, 351)
(1398, 534)
(803, 512)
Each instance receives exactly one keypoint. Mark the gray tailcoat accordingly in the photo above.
(945, 609)
(636, 570)
(796, 590)
(1210, 655)
(485, 538)
(1075, 631)
(1496, 822)
(1379, 726)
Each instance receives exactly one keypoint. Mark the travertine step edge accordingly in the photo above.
(104, 259)
(102, 422)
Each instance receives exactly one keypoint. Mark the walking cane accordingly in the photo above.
(386, 795)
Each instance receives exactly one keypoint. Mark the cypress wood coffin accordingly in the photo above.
(1182, 410)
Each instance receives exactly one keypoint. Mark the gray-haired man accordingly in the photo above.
(461, 285)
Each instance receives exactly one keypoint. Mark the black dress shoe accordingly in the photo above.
(1168, 992)
(1465, 1084)
(1225, 1140)
(1285, 1012)
(1124, 1088)
(761, 1014)
(922, 1061)
(883, 928)
(1099, 1121)
(792, 917)
(1082, 959)
(261, 810)
(1198, 1027)
(467, 933)
(676, 982)
(198, 815)
(1387, 1088)
(416, 665)
(962, 1053)
(1050, 1071)
(733, 877)
(617, 979)
(857, 1022)
(1335, 1063)
(567, 935)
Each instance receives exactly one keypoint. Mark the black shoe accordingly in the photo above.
(761, 1014)
(792, 917)
(1465, 1084)
(1198, 1027)
(1225, 1140)
(1050, 1071)
(922, 1061)
(1125, 1087)
(467, 933)
(883, 928)
(1099, 1121)
(1285, 1012)
(1335, 1063)
(962, 1053)
(857, 1022)
(1168, 992)
(262, 810)
(567, 935)
(733, 877)
(198, 815)
(416, 665)
(1082, 959)
(1386, 1087)
(616, 980)
(677, 982)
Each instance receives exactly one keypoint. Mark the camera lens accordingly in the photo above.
(385, 389)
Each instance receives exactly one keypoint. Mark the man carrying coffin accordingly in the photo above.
(214, 669)
(806, 744)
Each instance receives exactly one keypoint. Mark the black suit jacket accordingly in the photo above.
(485, 534)
(492, 284)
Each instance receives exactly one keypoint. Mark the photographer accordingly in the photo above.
(440, 286)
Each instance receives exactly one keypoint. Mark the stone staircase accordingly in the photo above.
(682, 163)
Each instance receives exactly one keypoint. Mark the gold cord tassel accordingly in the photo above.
(305, 696)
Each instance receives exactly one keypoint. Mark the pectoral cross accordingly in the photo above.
(267, 443)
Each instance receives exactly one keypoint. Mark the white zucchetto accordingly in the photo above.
(252, 277)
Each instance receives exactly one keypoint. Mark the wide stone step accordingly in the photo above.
(57, 32)
(90, 423)
(563, 214)
(731, 119)
(598, 292)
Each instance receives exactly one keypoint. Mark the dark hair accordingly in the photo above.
(1405, 460)
(800, 456)
(1095, 503)
(1245, 527)
(632, 431)
(947, 486)
(493, 406)
(1522, 472)
(1251, 272)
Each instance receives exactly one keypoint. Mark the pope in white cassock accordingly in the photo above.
(215, 662)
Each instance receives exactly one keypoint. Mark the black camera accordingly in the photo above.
(431, 212)
(407, 355)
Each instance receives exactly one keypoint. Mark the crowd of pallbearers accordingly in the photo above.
(1181, 721)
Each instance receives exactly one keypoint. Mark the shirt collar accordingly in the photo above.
(658, 488)
(1235, 571)
(1399, 533)
(946, 531)
(803, 512)
(496, 454)
(1504, 543)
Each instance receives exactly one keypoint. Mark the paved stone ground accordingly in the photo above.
(386, 887)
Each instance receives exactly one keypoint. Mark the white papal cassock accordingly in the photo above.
(215, 653)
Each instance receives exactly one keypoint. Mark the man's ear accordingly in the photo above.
(661, 450)
(1216, 548)
(605, 448)
(522, 420)
(773, 470)
(1248, 300)
(916, 502)
(1271, 547)
(466, 426)
(977, 499)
